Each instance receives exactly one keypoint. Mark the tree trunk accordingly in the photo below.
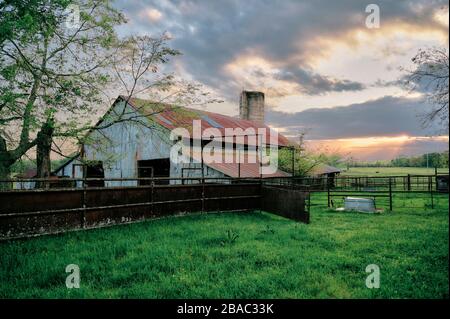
(5, 164)
(5, 170)
(43, 150)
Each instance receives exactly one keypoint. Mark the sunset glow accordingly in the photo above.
(376, 147)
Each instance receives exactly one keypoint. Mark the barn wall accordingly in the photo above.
(121, 145)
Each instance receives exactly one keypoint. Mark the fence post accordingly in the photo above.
(431, 195)
(390, 194)
(83, 217)
(293, 164)
(328, 194)
(309, 202)
(435, 177)
(239, 162)
(152, 184)
(409, 182)
(203, 174)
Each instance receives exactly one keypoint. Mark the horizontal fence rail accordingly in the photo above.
(408, 183)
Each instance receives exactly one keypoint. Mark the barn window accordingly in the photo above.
(95, 170)
(154, 168)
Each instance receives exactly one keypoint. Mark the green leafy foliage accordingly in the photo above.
(50, 72)
(230, 238)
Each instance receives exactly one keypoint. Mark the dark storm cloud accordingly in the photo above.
(388, 116)
(213, 33)
(313, 83)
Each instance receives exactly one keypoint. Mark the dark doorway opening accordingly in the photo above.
(154, 168)
(95, 170)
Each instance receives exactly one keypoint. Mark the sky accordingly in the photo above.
(323, 71)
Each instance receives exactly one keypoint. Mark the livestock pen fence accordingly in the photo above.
(422, 183)
(390, 192)
(73, 204)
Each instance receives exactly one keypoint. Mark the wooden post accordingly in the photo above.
(390, 194)
(203, 174)
(309, 201)
(328, 194)
(239, 162)
(152, 192)
(435, 177)
(83, 217)
(260, 156)
(293, 164)
(409, 182)
(432, 199)
(259, 151)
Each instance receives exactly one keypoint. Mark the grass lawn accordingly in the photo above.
(194, 257)
(391, 171)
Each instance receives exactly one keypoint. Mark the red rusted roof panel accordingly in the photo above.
(172, 117)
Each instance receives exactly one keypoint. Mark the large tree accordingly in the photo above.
(51, 69)
(57, 74)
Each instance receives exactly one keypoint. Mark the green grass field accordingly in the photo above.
(196, 257)
(391, 171)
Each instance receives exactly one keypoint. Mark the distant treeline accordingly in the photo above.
(426, 160)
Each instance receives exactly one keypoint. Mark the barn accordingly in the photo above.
(324, 170)
(140, 147)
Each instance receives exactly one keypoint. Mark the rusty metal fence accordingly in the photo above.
(408, 183)
(29, 212)
(390, 192)
(42, 206)
(412, 183)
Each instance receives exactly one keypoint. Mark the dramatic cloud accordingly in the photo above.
(311, 83)
(387, 116)
(290, 34)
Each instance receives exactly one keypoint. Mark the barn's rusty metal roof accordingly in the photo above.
(172, 117)
(248, 168)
